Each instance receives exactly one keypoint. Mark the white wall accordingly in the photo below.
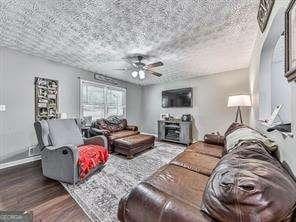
(261, 60)
(210, 95)
(280, 88)
(17, 72)
(261, 57)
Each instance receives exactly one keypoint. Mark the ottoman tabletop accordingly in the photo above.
(133, 144)
(134, 140)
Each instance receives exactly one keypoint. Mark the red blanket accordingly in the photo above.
(91, 156)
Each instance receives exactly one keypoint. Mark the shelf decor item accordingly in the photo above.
(290, 36)
(46, 98)
(239, 101)
(265, 8)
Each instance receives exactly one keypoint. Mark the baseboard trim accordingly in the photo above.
(19, 162)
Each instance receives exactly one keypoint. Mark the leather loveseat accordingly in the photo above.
(113, 128)
(247, 184)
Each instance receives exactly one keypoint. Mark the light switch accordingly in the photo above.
(2, 108)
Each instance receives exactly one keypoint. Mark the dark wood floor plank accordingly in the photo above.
(24, 188)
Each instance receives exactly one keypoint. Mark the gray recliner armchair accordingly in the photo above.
(59, 140)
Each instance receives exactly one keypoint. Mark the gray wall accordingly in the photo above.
(280, 88)
(143, 103)
(17, 72)
(210, 95)
(260, 66)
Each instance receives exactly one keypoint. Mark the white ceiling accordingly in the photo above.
(191, 37)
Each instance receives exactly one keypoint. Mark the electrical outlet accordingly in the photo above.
(2, 108)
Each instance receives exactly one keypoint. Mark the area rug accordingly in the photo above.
(99, 195)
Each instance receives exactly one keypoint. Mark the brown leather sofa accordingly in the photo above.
(247, 184)
(113, 128)
(173, 193)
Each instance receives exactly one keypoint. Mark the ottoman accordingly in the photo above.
(132, 145)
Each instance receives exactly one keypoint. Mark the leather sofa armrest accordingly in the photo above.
(215, 139)
(121, 208)
(97, 140)
(132, 128)
(146, 201)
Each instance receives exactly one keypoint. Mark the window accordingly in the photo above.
(101, 101)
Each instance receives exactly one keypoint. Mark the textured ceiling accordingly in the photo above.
(191, 37)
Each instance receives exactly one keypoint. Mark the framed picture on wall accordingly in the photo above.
(264, 11)
(290, 35)
(46, 98)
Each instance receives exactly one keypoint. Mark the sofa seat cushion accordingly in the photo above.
(208, 149)
(122, 134)
(180, 183)
(174, 192)
(197, 162)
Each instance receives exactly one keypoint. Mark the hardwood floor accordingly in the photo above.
(24, 188)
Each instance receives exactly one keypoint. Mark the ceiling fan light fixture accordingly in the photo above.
(142, 74)
(134, 74)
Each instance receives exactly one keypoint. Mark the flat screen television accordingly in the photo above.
(177, 98)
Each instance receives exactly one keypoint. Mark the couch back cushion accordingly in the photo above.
(111, 125)
(64, 132)
(250, 185)
(238, 134)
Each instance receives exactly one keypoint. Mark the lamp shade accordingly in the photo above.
(239, 100)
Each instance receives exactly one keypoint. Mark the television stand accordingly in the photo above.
(175, 131)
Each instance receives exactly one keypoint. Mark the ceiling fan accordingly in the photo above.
(141, 69)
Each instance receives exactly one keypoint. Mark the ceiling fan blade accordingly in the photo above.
(156, 64)
(155, 73)
(131, 62)
(125, 69)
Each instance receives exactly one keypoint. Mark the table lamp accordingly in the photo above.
(239, 101)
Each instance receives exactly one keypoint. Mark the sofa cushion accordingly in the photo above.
(250, 185)
(121, 134)
(174, 192)
(115, 120)
(147, 203)
(197, 162)
(208, 149)
(112, 124)
(242, 134)
(179, 183)
(64, 132)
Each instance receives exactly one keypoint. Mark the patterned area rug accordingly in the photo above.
(99, 195)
